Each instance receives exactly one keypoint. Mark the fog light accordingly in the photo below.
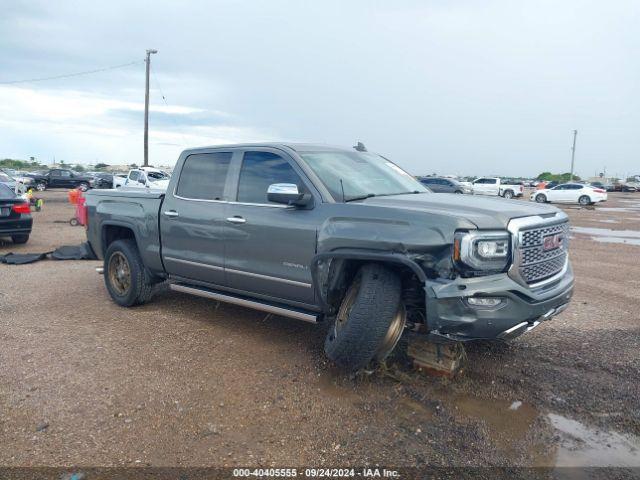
(484, 302)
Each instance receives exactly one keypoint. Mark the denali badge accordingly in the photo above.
(552, 242)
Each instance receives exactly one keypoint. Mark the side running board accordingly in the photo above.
(227, 298)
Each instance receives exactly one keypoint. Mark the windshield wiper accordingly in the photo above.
(399, 193)
(362, 197)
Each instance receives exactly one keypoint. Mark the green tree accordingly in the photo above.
(79, 168)
(101, 166)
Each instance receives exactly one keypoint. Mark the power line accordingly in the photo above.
(68, 75)
(164, 99)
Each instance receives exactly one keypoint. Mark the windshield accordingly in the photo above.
(362, 174)
(4, 177)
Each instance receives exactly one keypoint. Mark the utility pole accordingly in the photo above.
(573, 151)
(146, 108)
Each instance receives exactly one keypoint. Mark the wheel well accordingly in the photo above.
(111, 233)
(343, 272)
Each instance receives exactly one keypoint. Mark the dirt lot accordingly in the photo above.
(179, 382)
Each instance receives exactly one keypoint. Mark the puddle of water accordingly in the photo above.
(506, 421)
(581, 446)
(630, 237)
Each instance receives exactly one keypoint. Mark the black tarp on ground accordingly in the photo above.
(67, 252)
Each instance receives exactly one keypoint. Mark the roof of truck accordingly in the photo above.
(298, 147)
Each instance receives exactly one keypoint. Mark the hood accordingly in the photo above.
(484, 212)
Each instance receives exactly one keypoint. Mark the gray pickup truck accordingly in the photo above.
(345, 236)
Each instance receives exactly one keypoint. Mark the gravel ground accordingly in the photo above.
(183, 382)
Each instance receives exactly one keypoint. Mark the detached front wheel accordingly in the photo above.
(370, 320)
(125, 276)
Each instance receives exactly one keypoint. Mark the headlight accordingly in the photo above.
(482, 250)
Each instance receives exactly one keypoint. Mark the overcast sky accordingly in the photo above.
(453, 87)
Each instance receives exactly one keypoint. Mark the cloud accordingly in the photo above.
(457, 87)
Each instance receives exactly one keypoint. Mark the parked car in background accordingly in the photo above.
(570, 193)
(605, 186)
(497, 187)
(20, 177)
(12, 183)
(103, 180)
(444, 185)
(147, 177)
(15, 215)
(61, 178)
(624, 187)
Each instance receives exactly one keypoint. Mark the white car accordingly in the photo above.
(570, 193)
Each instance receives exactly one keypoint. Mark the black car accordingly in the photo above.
(15, 216)
(442, 185)
(103, 180)
(60, 178)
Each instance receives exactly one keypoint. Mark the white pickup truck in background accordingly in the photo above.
(143, 177)
(497, 187)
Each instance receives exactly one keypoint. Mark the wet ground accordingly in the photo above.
(181, 382)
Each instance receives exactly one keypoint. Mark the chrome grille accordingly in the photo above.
(535, 263)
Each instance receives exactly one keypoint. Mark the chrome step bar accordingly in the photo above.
(265, 307)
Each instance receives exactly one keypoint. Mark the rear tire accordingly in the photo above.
(125, 276)
(370, 321)
(84, 187)
(41, 186)
(460, 192)
(584, 200)
(541, 198)
(508, 194)
(20, 239)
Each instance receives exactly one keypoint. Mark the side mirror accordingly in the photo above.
(287, 193)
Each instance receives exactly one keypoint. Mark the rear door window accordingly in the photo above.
(261, 169)
(203, 176)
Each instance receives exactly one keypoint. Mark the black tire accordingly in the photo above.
(460, 192)
(41, 186)
(74, 222)
(541, 198)
(140, 282)
(84, 186)
(355, 342)
(584, 200)
(20, 239)
(508, 194)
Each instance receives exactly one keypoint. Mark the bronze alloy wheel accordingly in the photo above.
(119, 273)
(393, 333)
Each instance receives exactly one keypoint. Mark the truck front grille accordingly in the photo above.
(542, 251)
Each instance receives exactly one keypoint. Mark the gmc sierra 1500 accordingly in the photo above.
(321, 233)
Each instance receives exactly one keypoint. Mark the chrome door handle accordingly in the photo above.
(236, 220)
(171, 213)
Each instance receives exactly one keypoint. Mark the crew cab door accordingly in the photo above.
(192, 218)
(269, 245)
(59, 178)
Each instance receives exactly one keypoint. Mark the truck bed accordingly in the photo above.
(137, 210)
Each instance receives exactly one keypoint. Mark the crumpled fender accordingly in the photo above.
(383, 238)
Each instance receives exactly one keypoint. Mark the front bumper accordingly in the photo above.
(451, 317)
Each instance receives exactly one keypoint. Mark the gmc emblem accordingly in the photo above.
(552, 242)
